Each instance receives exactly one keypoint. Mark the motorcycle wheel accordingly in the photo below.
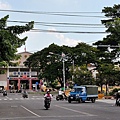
(57, 98)
(46, 107)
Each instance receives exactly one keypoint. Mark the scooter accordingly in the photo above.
(118, 102)
(47, 102)
(61, 97)
(5, 93)
(25, 95)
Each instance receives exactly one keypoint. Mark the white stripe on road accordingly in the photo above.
(10, 99)
(106, 101)
(30, 111)
(15, 118)
(75, 110)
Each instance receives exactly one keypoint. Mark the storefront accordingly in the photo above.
(22, 83)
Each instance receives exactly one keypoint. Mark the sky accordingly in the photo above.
(75, 17)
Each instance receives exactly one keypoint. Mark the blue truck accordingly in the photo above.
(83, 93)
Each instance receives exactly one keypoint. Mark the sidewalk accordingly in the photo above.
(106, 100)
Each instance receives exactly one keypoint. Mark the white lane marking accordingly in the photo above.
(22, 98)
(14, 106)
(106, 101)
(7, 97)
(10, 99)
(38, 98)
(32, 98)
(66, 116)
(75, 110)
(30, 111)
(14, 118)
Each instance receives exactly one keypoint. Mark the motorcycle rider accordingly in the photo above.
(48, 94)
(117, 96)
(61, 93)
(4, 92)
(24, 93)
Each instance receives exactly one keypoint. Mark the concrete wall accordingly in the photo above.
(3, 77)
(3, 80)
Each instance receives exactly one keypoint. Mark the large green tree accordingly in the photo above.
(112, 24)
(107, 58)
(50, 66)
(10, 41)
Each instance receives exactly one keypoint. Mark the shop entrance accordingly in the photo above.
(13, 84)
(24, 84)
(35, 83)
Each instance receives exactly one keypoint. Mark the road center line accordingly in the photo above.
(30, 111)
(75, 110)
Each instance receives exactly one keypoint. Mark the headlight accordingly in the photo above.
(77, 95)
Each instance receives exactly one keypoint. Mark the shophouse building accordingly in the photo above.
(17, 77)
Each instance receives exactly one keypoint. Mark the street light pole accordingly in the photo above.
(63, 60)
(73, 69)
(64, 72)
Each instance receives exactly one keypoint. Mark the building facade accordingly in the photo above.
(17, 77)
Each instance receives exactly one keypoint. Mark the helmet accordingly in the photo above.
(48, 91)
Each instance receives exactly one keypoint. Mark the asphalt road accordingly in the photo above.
(14, 107)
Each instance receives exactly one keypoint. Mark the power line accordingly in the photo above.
(108, 46)
(53, 31)
(57, 23)
(62, 24)
(71, 14)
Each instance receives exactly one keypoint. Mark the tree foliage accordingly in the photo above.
(9, 39)
(51, 67)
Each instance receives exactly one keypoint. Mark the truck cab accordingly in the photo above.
(83, 93)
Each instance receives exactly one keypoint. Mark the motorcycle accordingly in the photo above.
(47, 102)
(118, 102)
(4, 93)
(25, 95)
(61, 97)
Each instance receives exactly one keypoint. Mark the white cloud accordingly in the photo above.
(64, 40)
(37, 41)
(67, 41)
(4, 5)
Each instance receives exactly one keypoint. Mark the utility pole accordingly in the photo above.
(63, 61)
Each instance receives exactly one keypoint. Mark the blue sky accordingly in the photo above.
(39, 40)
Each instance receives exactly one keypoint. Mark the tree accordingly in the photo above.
(107, 73)
(50, 66)
(113, 29)
(9, 40)
(82, 76)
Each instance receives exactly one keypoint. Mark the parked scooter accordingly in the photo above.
(4, 93)
(47, 102)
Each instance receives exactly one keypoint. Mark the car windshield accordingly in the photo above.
(77, 89)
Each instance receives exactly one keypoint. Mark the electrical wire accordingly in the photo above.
(53, 31)
(62, 24)
(55, 13)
